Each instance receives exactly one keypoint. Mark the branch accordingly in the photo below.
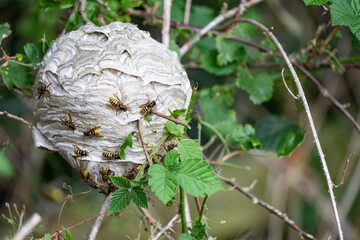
(152, 221)
(175, 120)
(238, 10)
(308, 114)
(142, 142)
(6, 114)
(28, 227)
(83, 11)
(187, 11)
(272, 210)
(95, 228)
(169, 225)
(166, 23)
(343, 173)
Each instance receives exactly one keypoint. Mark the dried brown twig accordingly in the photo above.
(143, 143)
(6, 114)
(96, 226)
(175, 120)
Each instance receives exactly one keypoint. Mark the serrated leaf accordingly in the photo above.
(4, 31)
(185, 236)
(177, 113)
(6, 167)
(66, 234)
(121, 182)
(171, 159)
(174, 129)
(198, 230)
(119, 200)
(210, 64)
(316, 2)
(36, 52)
(162, 182)
(16, 73)
(228, 51)
(289, 142)
(198, 178)
(271, 129)
(259, 86)
(128, 143)
(47, 236)
(244, 137)
(189, 149)
(355, 5)
(138, 196)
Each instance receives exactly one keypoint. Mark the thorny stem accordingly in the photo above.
(203, 208)
(169, 225)
(142, 143)
(271, 209)
(166, 23)
(199, 210)
(175, 120)
(238, 10)
(309, 116)
(95, 228)
(182, 210)
(6, 114)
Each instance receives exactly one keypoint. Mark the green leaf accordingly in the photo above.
(243, 136)
(189, 149)
(209, 63)
(260, 86)
(200, 16)
(271, 129)
(6, 167)
(16, 73)
(130, 3)
(121, 182)
(162, 182)
(174, 129)
(355, 5)
(289, 142)
(198, 230)
(177, 113)
(36, 52)
(214, 103)
(56, 3)
(342, 13)
(119, 200)
(228, 51)
(138, 196)
(316, 2)
(171, 159)
(198, 178)
(185, 236)
(128, 143)
(47, 236)
(174, 47)
(66, 234)
(4, 31)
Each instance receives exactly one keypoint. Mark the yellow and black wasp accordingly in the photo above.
(85, 175)
(147, 107)
(43, 89)
(133, 172)
(68, 121)
(116, 103)
(93, 132)
(109, 155)
(79, 152)
(170, 146)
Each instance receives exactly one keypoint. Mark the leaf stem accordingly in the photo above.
(203, 205)
(182, 210)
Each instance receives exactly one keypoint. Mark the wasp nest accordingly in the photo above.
(93, 86)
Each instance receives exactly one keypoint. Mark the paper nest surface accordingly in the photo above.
(82, 70)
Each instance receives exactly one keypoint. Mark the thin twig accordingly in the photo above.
(199, 208)
(343, 173)
(169, 225)
(187, 11)
(308, 114)
(175, 120)
(187, 46)
(151, 221)
(95, 228)
(271, 209)
(230, 155)
(187, 212)
(83, 11)
(209, 143)
(6, 114)
(166, 23)
(143, 144)
(104, 4)
(283, 78)
(28, 227)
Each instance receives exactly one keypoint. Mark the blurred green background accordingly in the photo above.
(293, 184)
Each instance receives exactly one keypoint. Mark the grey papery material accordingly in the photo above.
(85, 68)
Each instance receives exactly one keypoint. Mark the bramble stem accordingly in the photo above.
(175, 120)
(182, 209)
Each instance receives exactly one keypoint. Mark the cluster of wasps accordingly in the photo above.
(105, 172)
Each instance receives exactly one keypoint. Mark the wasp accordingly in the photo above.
(170, 146)
(109, 155)
(105, 191)
(79, 152)
(85, 175)
(69, 122)
(133, 172)
(93, 132)
(105, 172)
(43, 89)
(116, 103)
(147, 107)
